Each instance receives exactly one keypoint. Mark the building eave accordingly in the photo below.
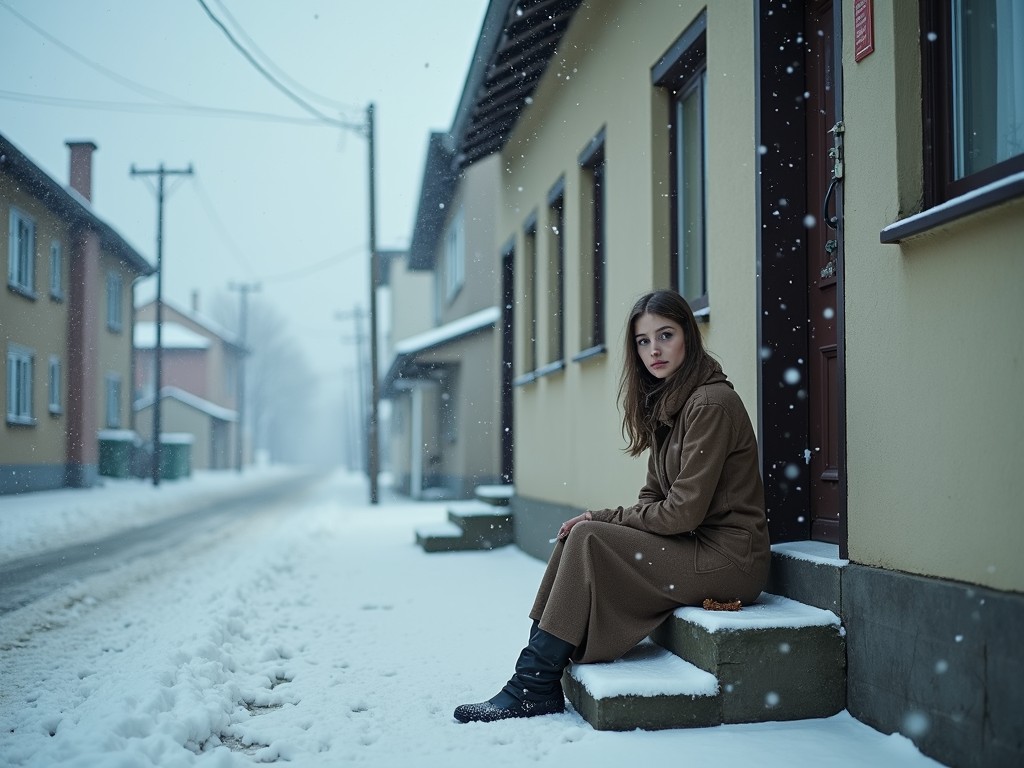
(69, 205)
(516, 43)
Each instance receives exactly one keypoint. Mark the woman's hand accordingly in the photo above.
(563, 532)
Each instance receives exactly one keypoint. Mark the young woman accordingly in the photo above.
(698, 529)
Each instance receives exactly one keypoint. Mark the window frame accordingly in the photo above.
(20, 381)
(938, 81)
(56, 270)
(455, 255)
(556, 276)
(112, 396)
(529, 316)
(115, 301)
(593, 254)
(54, 390)
(21, 263)
(680, 72)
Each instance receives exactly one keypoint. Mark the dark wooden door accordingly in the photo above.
(823, 260)
(507, 441)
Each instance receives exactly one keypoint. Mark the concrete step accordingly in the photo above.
(775, 660)
(496, 495)
(472, 525)
(648, 688)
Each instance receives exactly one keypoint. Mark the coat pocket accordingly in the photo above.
(710, 554)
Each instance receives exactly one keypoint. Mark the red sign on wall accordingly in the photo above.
(863, 29)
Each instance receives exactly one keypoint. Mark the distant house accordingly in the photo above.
(839, 194)
(199, 382)
(448, 431)
(65, 324)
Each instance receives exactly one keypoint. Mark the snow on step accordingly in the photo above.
(646, 670)
(648, 688)
(494, 491)
(769, 612)
(439, 530)
(473, 508)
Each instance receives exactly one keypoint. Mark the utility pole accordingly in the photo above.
(374, 452)
(161, 173)
(244, 289)
(357, 315)
(366, 130)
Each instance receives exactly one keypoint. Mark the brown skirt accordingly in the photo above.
(608, 586)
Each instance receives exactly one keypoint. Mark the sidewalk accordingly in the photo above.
(323, 636)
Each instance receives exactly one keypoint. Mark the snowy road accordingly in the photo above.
(320, 635)
(34, 576)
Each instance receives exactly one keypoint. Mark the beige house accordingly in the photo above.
(65, 324)
(820, 180)
(199, 382)
(448, 432)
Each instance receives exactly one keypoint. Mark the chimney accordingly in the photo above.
(195, 302)
(81, 167)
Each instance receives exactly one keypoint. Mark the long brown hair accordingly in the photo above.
(639, 390)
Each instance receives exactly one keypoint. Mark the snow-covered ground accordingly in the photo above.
(319, 635)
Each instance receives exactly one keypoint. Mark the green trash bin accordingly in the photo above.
(176, 455)
(116, 446)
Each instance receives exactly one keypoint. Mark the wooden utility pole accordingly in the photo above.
(244, 289)
(161, 173)
(359, 338)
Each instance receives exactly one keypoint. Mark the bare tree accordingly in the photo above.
(280, 388)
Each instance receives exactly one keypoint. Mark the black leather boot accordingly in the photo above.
(535, 688)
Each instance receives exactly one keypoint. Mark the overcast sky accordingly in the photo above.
(276, 201)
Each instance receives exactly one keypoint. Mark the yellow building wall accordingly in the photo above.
(115, 347)
(568, 438)
(935, 412)
(40, 325)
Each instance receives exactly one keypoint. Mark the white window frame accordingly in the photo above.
(21, 252)
(54, 388)
(20, 364)
(56, 270)
(113, 400)
(455, 255)
(115, 302)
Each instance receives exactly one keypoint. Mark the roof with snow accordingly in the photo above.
(403, 366)
(172, 336)
(218, 330)
(192, 401)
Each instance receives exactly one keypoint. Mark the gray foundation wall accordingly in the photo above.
(25, 478)
(938, 661)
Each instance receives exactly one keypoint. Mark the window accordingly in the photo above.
(21, 253)
(115, 302)
(54, 388)
(56, 270)
(592, 248)
(113, 398)
(682, 72)
(455, 256)
(973, 94)
(530, 294)
(555, 293)
(19, 385)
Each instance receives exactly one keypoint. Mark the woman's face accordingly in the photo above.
(660, 344)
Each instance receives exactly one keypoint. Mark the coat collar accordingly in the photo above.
(678, 391)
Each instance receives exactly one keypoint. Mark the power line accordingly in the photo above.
(155, 109)
(269, 77)
(253, 46)
(330, 261)
(152, 93)
(218, 224)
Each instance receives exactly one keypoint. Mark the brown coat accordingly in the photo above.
(698, 530)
